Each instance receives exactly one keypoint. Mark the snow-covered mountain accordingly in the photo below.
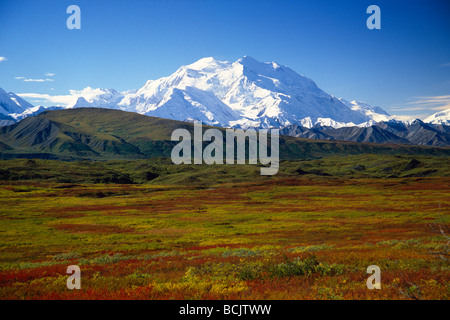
(245, 93)
(11, 103)
(441, 117)
(241, 94)
(100, 98)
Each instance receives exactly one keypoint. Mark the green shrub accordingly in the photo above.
(307, 266)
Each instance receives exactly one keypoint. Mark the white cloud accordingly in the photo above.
(58, 99)
(3, 59)
(37, 80)
(408, 118)
(69, 99)
(87, 92)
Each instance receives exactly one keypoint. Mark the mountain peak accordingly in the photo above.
(248, 59)
(206, 64)
(255, 65)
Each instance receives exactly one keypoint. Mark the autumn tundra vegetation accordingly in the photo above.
(148, 229)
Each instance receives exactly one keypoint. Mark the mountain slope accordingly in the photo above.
(85, 132)
(93, 133)
(422, 133)
(372, 113)
(372, 134)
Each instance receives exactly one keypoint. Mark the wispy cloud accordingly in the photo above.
(435, 103)
(50, 74)
(421, 107)
(19, 78)
(3, 59)
(447, 64)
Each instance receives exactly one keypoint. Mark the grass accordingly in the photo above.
(161, 171)
(296, 235)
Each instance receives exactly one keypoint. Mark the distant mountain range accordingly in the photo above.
(417, 132)
(251, 94)
(100, 134)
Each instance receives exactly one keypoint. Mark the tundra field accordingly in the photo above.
(146, 229)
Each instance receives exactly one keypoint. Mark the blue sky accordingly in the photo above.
(404, 67)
